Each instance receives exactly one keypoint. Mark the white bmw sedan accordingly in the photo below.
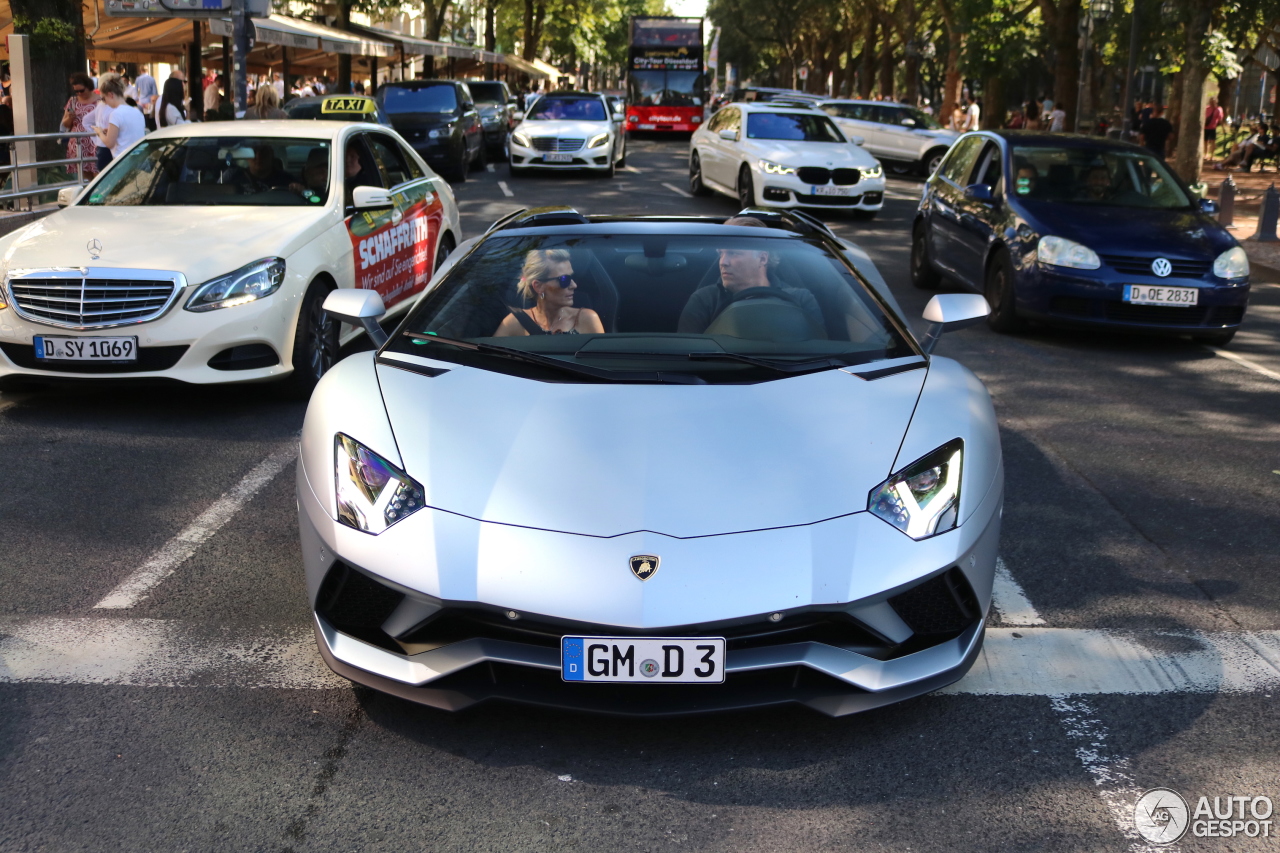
(569, 130)
(205, 252)
(766, 154)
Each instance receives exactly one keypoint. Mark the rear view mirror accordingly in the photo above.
(67, 195)
(857, 140)
(371, 198)
(519, 116)
(978, 192)
(908, 122)
(359, 308)
(947, 312)
(731, 135)
(1206, 205)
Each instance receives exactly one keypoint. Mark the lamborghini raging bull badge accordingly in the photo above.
(644, 566)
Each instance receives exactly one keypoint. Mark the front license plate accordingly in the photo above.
(1150, 294)
(86, 349)
(831, 190)
(643, 660)
(559, 158)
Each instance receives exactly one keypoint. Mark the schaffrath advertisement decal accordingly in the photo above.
(394, 249)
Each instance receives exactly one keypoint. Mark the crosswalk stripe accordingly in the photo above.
(1052, 662)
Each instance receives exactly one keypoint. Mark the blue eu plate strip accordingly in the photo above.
(571, 659)
(39, 347)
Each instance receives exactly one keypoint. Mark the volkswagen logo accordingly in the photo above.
(95, 248)
(644, 566)
(1161, 267)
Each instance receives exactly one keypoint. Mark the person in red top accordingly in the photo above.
(1212, 118)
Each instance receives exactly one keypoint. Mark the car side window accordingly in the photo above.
(390, 162)
(717, 121)
(415, 171)
(989, 169)
(959, 162)
(733, 121)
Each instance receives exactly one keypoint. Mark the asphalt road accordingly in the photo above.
(1143, 478)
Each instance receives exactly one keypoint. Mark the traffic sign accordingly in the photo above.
(184, 8)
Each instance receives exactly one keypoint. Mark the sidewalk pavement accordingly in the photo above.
(1250, 187)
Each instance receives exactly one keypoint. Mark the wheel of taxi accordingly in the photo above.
(998, 290)
(443, 251)
(746, 192)
(923, 275)
(696, 186)
(315, 344)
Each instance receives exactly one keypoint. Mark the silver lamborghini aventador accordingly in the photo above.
(652, 466)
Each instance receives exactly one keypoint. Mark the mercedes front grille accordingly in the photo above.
(92, 298)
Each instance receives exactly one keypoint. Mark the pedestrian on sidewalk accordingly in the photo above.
(1213, 115)
(172, 107)
(266, 105)
(1156, 131)
(126, 124)
(82, 103)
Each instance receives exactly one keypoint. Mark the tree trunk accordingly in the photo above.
(951, 81)
(866, 75)
(993, 103)
(912, 65)
(887, 65)
(490, 25)
(52, 63)
(1066, 60)
(344, 59)
(1189, 151)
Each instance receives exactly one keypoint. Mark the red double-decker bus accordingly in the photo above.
(666, 81)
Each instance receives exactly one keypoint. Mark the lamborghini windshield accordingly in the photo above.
(711, 304)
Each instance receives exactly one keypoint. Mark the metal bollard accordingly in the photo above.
(1227, 203)
(1267, 219)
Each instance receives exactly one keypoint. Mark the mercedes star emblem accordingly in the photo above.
(95, 248)
(644, 566)
(1161, 267)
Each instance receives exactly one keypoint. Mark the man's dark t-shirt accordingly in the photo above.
(706, 303)
(1155, 133)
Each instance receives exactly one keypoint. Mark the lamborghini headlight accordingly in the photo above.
(249, 283)
(598, 140)
(923, 499)
(521, 139)
(1233, 263)
(771, 168)
(372, 493)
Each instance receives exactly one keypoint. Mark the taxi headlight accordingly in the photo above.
(520, 139)
(598, 140)
(1233, 263)
(1061, 252)
(923, 499)
(372, 494)
(772, 168)
(876, 171)
(247, 284)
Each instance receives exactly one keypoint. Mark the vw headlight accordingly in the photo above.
(520, 139)
(1061, 252)
(923, 499)
(771, 168)
(598, 140)
(372, 493)
(876, 171)
(1233, 263)
(247, 284)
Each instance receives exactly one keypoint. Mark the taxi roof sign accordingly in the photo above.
(347, 104)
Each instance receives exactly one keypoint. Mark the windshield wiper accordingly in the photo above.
(560, 364)
(780, 365)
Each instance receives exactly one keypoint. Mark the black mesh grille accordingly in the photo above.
(1161, 315)
(845, 177)
(814, 174)
(356, 604)
(1072, 306)
(1137, 265)
(942, 605)
(245, 357)
(149, 358)
(831, 200)
(1226, 315)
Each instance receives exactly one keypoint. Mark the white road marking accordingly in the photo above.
(631, 169)
(506, 190)
(488, 167)
(1010, 601)
(1051, 662)
(1110, 773)
(676, 189)
(176, 551)
(1249, 363)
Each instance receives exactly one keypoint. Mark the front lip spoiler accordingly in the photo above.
(860, 671)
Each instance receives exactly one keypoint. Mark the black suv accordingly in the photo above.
(440, 120)
(497, 108)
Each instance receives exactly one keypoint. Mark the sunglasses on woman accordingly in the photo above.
(560, 280)
(79, 90)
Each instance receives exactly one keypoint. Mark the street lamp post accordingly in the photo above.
(1098, 10)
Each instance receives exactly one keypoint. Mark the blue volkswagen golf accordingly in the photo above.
(1075, 230)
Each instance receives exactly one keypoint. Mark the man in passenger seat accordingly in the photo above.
(740, 269)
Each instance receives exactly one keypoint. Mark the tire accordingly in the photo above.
(482, 157)
(746, 189)
(930, 162)
(443, 251)
(464, 166)
(923, 275)
(999, 291)
(1215, 339)
(622, 161)
(696, 186)
(611, 169)
(315, 343)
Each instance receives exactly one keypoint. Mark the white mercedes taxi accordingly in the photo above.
(569, 130)
(205, 252)
(783, 156)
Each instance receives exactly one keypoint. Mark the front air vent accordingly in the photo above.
(944, 604)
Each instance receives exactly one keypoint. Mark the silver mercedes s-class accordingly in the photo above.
(652, 466)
